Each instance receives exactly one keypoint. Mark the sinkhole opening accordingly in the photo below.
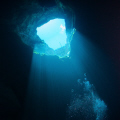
(53, 38)
(53, 33)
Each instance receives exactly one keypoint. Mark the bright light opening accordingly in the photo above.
(53, 33)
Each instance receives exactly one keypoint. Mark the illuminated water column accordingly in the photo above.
(36, 96)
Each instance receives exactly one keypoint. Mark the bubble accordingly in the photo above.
(85, 74)
(85, 103)
(72, 90)
(79, 80)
